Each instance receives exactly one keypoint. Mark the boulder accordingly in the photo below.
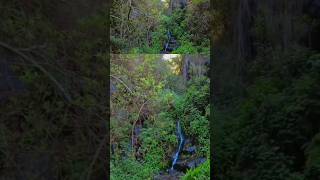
(196, 162)
(190, 150)
(169, 175)
(189, 163)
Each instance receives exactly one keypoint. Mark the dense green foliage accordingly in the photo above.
(46, 129)
(192, 28)
(267, 102)
(200, 173)
(268, 132)
(165, 107)
(136, 29)
(193, 109)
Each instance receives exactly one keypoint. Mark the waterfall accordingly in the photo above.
(169, 38)
(181, 144)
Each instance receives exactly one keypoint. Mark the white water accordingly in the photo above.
(181, 143)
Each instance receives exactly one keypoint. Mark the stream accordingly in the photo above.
(183, 154)
(181, 144)
(171, 43)
(184, 158)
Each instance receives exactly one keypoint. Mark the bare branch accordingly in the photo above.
(118, 79)
(16, 51)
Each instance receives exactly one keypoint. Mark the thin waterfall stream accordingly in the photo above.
(169, 38)
(181, 144)
(184, 158)
(171, 44)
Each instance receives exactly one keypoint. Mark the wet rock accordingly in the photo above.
(189, 163)
(137, 130)
(169, 175)
(195, 163)
(181, 166)
(188, 142)
(113, 147)
(191, 150)
(170, 45)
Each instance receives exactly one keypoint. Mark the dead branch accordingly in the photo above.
(118, 79)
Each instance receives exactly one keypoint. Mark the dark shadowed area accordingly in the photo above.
(53, 89)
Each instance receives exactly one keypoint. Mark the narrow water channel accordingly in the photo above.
(181, 144)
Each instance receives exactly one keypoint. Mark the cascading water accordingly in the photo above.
(169, 38)
(170, 45)
(181, 144)
(181, 164)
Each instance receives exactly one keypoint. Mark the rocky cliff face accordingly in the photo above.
(174, 4)
(195, 66)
